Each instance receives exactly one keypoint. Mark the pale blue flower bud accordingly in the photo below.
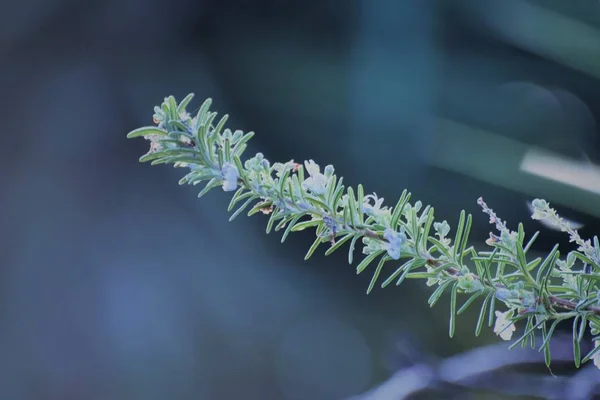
(395, 242)
(329, 171)
(254, 163)
(230, 176)
(503, 294)
(540, 209)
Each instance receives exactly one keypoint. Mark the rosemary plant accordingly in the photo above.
(541, 292)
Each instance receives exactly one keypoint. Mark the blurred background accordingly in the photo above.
(119, 284)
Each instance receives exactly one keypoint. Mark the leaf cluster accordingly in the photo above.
(399, 242)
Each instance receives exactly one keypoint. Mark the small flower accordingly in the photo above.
(585, 246)
(395, 242)
(311, 167)
(492, 239)
(155, 144)
(185, 140)
(500, 225)
(267, 208)
(541, 209)
(185, 116)
(159, 117)
(381, 215)
(316, 182)
(280, 168)
(230, 176)
(441, 230)
(372, 209)
(332, 228)
(504, 328)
